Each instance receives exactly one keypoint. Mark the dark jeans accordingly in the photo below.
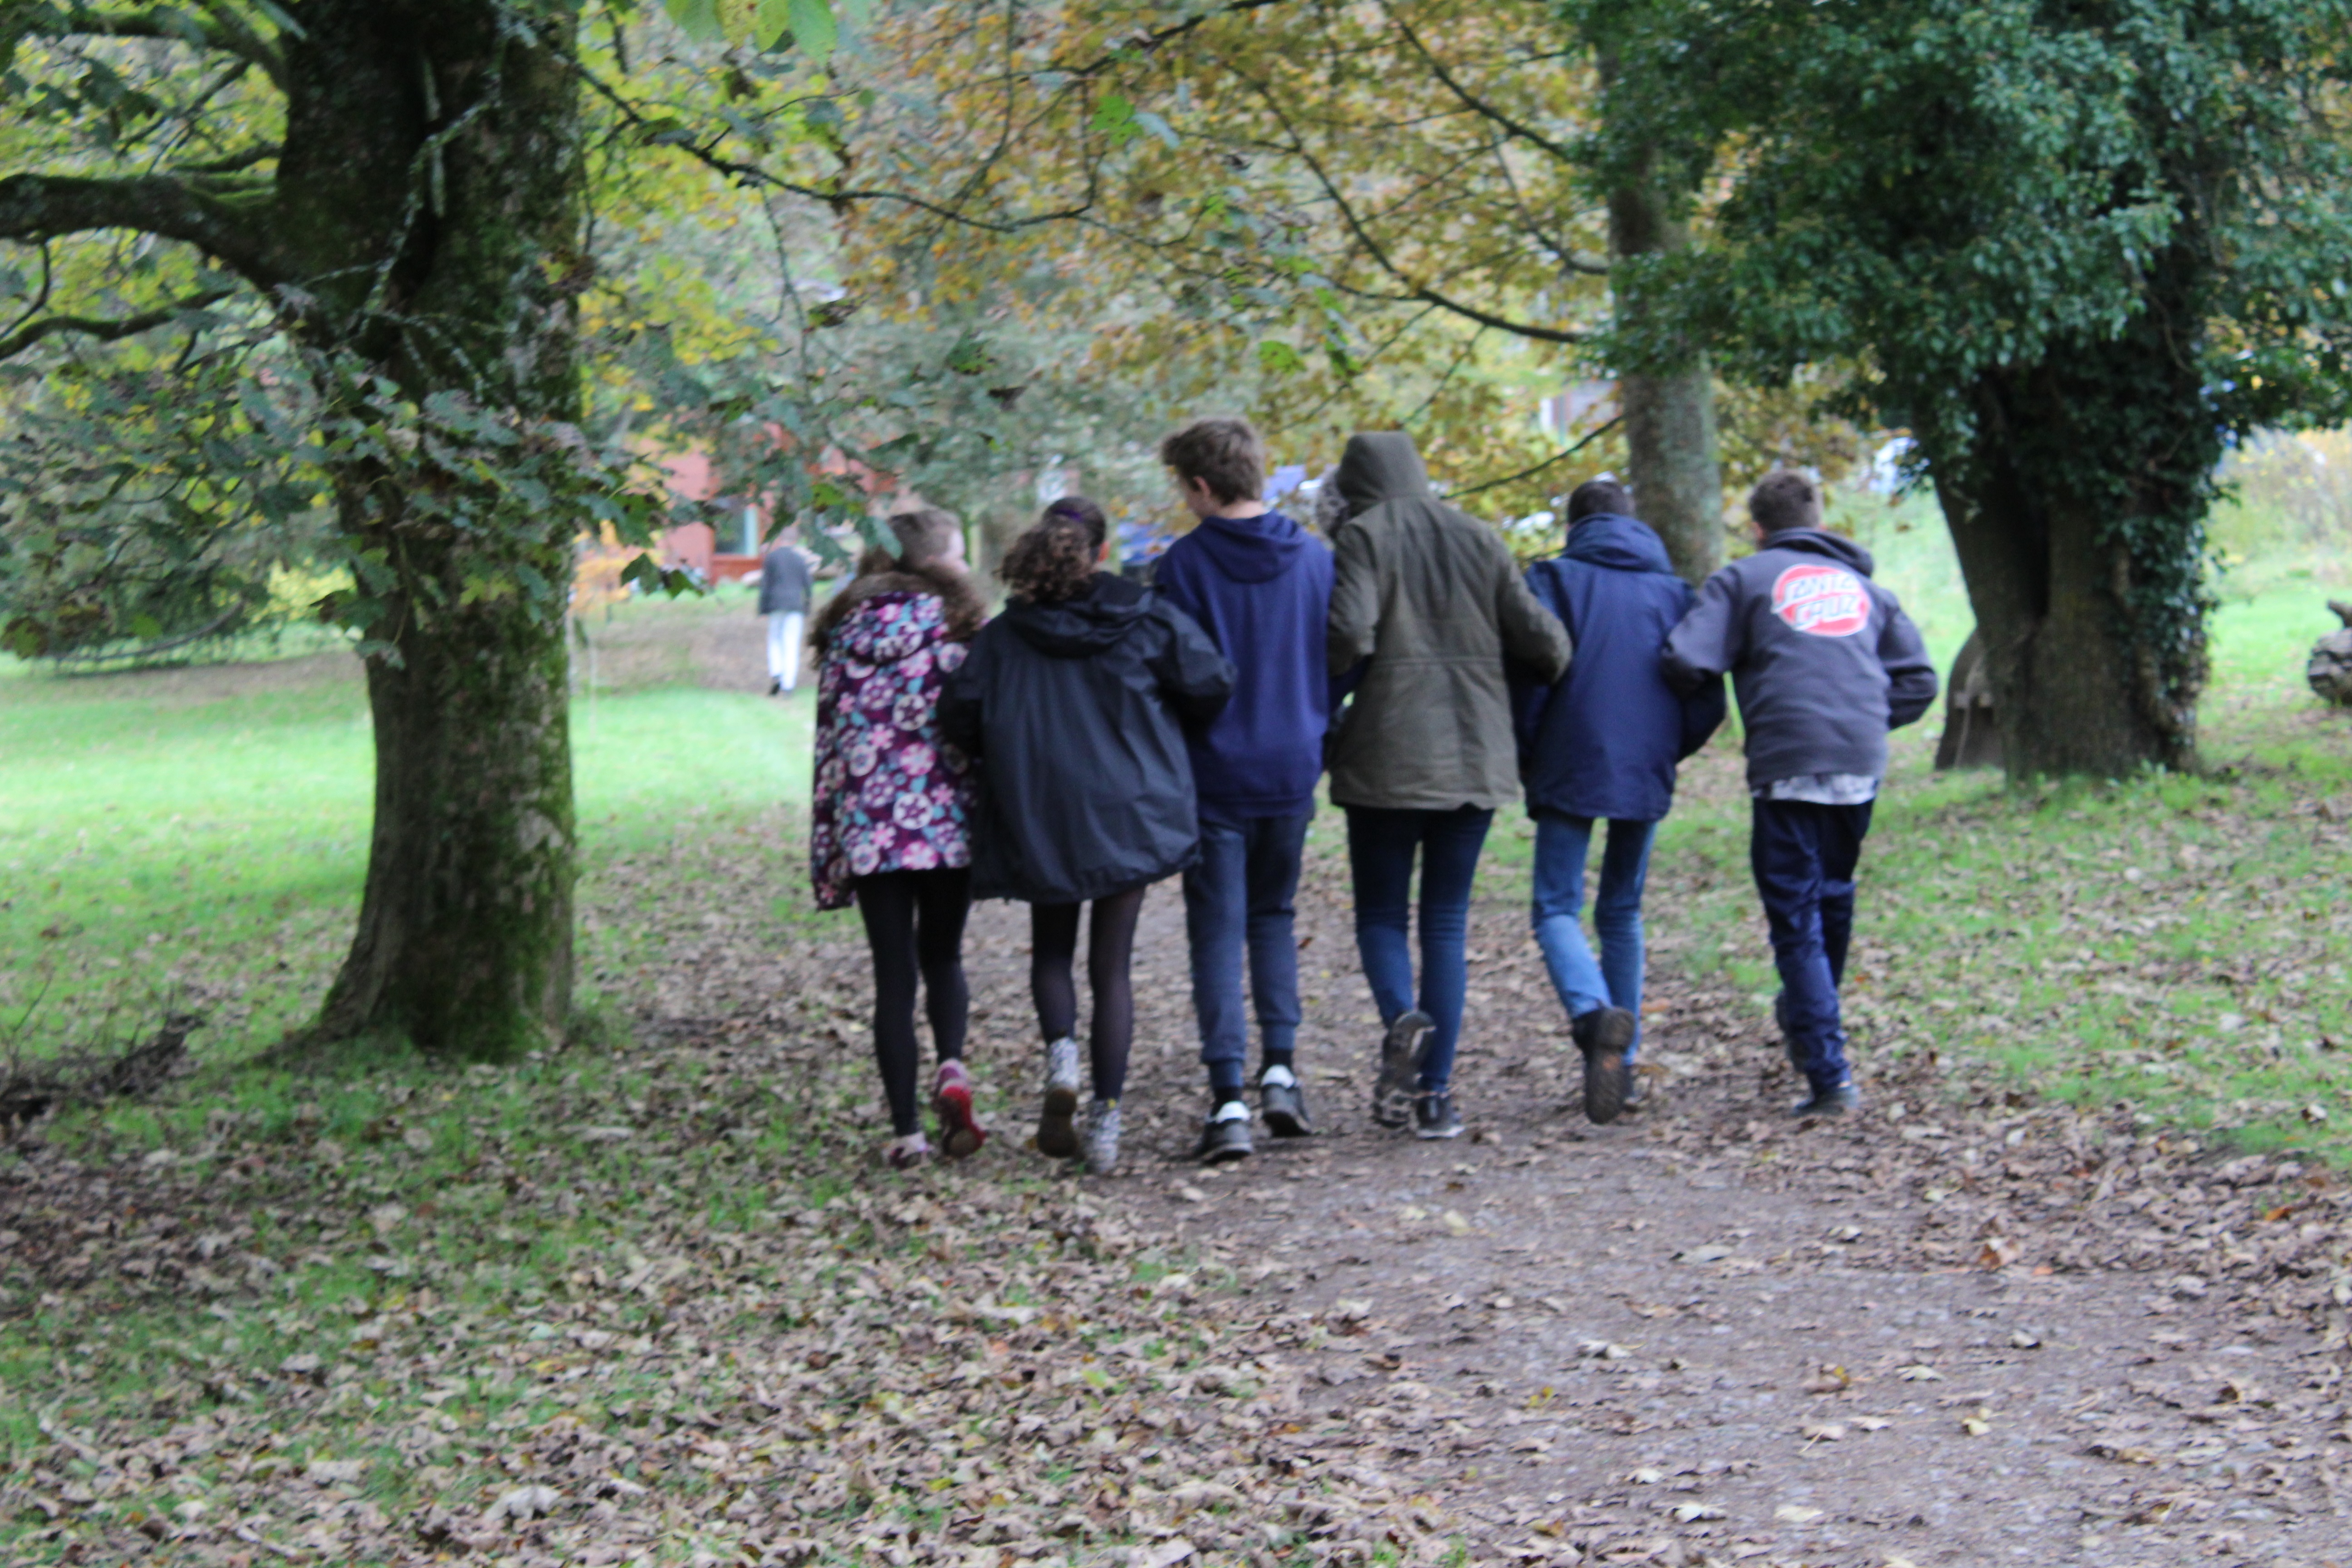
(1238, 901)
(1562, 845)
(1382, 845)
(1804, 857)
(914, 921)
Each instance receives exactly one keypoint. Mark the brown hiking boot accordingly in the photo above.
(1604, 1035)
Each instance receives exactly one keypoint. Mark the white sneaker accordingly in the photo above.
(1058, 1134)
(1102, 1137)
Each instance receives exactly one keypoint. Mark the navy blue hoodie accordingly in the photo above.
(1824, 659)
(1261, 588)
(1604, 740)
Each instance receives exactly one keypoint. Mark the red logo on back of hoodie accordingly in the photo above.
(1821, 601)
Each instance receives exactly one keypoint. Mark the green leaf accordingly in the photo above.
(813, 29)
(771, 22)
(1115, 119)
(1278, 358)
(697, 19)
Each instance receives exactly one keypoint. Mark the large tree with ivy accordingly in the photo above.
(2081, 247)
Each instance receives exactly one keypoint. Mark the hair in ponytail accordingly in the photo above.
(1054, 560)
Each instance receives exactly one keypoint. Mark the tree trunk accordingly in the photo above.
(433, 177)
(2074, 684)
(1669, 413)
(465, 933)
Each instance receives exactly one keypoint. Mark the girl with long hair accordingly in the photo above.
(891, 810)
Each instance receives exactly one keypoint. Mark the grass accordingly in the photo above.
(440, 1239)
(198, 838)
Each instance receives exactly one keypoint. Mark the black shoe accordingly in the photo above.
(1637, 1089)
(1283, 1103)
(1828, 1103)
(1434, 1116)
(1400, 1068)
(775, 686)
(1604, 1036)
(1225, 1136)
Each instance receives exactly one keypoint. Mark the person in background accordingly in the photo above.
(891, 807)
(1428, 602)
(784, 600)
(1076, 701)
(1261, 589)
(1601, 744)
(1825, 663)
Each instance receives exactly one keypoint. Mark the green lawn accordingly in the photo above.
(198, 837)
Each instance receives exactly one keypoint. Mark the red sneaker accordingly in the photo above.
(961, 1134)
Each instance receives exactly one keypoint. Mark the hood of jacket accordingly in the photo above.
(1620, 543)
(889, 626)
(1821, 542)
(1250, 549)
(1079, 627)
(1380, 465)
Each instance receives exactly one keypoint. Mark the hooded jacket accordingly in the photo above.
(887, 795)
(1431, 597)
(1076, 712)
(1604, 740)
(1824, 661)
(1261, 588)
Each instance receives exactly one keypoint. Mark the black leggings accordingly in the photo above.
(1110, 946)
(915, 920)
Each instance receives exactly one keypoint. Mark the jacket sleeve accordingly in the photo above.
(1709, 639)
(1355, 625)
(1531, 697)
(1911, 678)
(1194, 678)
(960, 709)
(1533, 637)
(1703, 714)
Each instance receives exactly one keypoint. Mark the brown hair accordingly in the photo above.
(1225, 455)
(1594, 497)
(1055, 560)
(1783, 500)
(922, 534)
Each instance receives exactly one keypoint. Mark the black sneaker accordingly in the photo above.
(1828, 1103)
(1604, 1036)
(1434, 1116)
(775, 686)
(1283, 1103)
(1400, 1068)
(1225, 1136)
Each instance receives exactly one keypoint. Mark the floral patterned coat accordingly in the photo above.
(889, 795)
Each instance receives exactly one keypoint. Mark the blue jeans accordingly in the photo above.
(1561, 844)
(1381, 844)
(1804, 855)
(1238, 898)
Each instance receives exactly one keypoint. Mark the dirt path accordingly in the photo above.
(1944, 1334)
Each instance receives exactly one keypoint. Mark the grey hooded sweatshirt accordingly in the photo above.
(1824, 661)
(1431, 597)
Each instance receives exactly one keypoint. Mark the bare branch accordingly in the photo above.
(224, 32)
(35, 206)
(106, 330)
(1473, 102)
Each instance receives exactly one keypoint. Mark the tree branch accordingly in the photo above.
(226, 32)
(104, 329)
(35, 206)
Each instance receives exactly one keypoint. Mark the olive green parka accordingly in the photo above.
(1432, 599)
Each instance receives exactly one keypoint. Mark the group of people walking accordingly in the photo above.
(1099, 735)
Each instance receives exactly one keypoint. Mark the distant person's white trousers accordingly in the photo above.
(784, 648)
